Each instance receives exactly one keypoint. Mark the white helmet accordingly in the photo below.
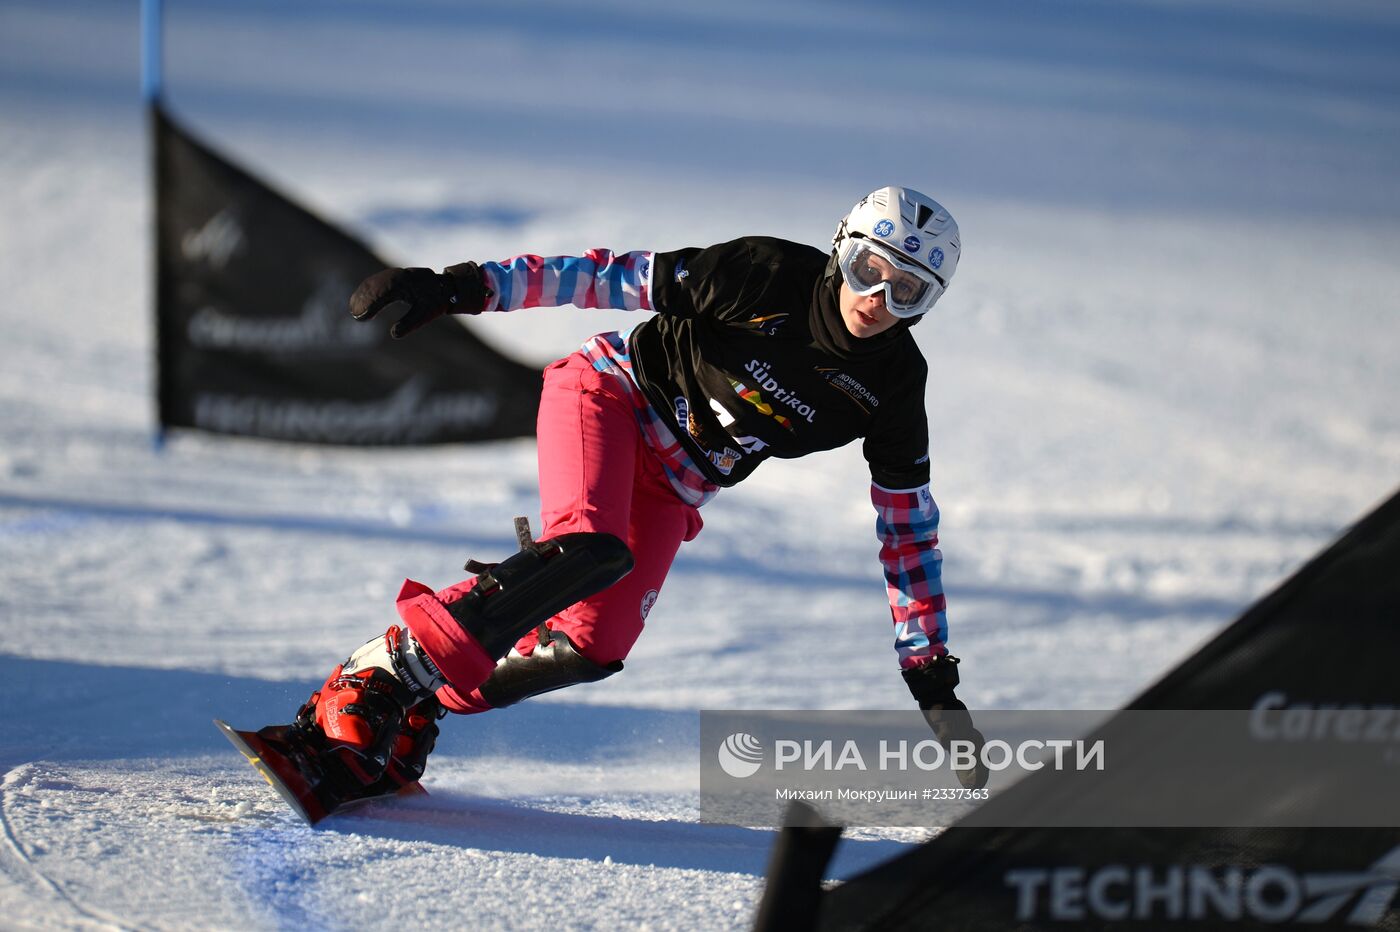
(912, 232)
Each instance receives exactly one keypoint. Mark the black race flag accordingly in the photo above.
(1321, 654)
(254, 335)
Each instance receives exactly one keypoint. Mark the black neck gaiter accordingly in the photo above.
(829, 331)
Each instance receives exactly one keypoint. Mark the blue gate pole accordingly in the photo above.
(151, 50)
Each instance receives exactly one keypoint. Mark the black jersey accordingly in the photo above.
(732, 357)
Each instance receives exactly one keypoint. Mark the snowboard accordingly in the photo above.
(294, 771)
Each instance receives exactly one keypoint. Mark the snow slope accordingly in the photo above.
(1164, 377)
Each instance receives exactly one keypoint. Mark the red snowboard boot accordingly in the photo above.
(376, 716)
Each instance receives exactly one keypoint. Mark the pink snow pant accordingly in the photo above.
(596, 474)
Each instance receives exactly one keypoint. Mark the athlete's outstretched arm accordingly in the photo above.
(598, 278)
(907, 525)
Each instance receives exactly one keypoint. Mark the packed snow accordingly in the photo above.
(1164, 377)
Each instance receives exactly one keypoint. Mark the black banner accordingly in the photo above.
(254, 337)
(1315, 661)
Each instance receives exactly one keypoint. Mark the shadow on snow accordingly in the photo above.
(473, 822)
(61, 513)
(59, 710)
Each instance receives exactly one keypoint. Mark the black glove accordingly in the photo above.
(458, 289)
(932, 685)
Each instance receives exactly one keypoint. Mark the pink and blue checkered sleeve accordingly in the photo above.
(598, 278)
(907, 525)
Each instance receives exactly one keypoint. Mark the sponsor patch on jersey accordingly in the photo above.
(884, 228)
(726, 461)
(648, 601)
(682, 273)
(766, 383)
(927, 509)
(935, 257)
(912, 244)
(768, 324)
(857, 392)
(750, 444)
(755, 398)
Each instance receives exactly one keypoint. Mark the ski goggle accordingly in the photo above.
(867, 266)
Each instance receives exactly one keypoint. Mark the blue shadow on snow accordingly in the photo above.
(59, 710)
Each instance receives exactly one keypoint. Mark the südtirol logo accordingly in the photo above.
(765, 382)
(740, 755)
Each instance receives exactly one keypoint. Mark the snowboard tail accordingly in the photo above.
(300, 775)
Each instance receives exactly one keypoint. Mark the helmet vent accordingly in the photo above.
(880, 200)
(925, 212)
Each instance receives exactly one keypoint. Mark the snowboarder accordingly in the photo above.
(760, 347)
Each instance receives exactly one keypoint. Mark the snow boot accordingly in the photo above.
(415, 741)
(366, 733)
(376, 706)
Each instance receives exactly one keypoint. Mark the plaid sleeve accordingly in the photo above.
(907, 525)
(598, 278)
